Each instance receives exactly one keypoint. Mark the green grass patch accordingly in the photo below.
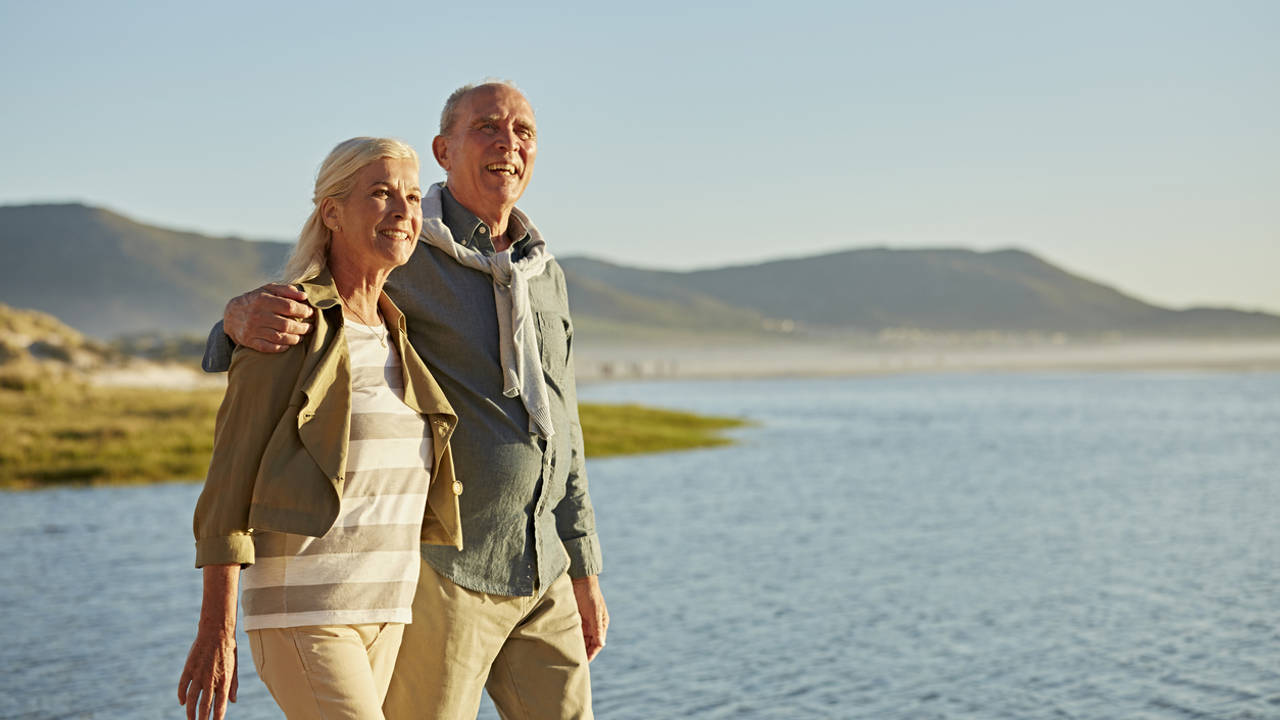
(68, 433)
(630, 429)
(61, 432)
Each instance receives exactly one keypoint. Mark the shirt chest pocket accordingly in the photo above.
(555, 338)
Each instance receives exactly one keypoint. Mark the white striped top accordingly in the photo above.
(365, 569)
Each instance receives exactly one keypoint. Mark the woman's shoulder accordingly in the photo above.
(247, 361)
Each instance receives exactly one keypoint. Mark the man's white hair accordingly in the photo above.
(449, 115)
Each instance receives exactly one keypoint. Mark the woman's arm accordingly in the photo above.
(259, 388)
(211, 677)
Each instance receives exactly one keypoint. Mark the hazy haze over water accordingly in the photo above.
(929, 546)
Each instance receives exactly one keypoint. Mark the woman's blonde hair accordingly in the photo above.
(334, 180)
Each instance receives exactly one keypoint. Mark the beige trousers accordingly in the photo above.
(327, 671)
(527, 651)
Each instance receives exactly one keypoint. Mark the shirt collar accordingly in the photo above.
(468, 230)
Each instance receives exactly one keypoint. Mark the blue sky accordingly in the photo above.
(1137, 143)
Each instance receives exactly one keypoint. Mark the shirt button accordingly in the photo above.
(457, 487)
(482, 230)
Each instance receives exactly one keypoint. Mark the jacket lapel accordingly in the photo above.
(324, 420)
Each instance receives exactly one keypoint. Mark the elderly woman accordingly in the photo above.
(330, 463)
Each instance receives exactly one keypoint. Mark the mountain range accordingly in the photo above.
(107, 275)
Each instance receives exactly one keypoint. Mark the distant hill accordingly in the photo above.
(108, 276)
(945, 290)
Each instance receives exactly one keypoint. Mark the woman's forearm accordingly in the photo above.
(218, 608)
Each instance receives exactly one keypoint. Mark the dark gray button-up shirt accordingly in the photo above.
(526, 514)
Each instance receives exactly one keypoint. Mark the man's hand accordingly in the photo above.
(268, 319)
(595, 616)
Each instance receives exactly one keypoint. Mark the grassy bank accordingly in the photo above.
(61, 433)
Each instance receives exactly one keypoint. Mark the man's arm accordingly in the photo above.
(575, 520)
(576, 525)
(268, 319)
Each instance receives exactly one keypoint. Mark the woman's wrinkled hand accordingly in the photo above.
(211, 676)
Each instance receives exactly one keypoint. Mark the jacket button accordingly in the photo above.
(457, 487)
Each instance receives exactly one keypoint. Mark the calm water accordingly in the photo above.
(985, 546)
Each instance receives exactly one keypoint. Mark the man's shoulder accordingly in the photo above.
(426, 265)
(547, 291)
(554, 271)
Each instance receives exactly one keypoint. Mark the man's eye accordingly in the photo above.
(415, 199)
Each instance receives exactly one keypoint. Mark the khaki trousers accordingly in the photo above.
(327, 671)
(527, 651)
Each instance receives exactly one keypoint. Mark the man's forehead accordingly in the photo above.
(492, 102)
(522, 117)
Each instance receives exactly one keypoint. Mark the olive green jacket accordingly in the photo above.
(280, 444)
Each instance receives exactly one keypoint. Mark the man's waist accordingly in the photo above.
(511, 574)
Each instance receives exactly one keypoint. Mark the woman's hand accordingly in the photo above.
(211, 676)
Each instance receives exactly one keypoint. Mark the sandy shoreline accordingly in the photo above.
(748, 360)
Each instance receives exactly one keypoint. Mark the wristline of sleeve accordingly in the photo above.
(584, 555)
(234, 549)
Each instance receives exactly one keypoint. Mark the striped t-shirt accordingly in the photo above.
(365, 569)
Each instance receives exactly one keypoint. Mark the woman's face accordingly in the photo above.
(376, 226)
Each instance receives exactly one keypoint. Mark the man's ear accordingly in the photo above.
(440, 148)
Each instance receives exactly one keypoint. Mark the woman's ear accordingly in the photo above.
(331, 214)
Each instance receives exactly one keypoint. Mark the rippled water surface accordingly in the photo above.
(952, 546)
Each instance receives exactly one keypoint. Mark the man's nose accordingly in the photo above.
(508, 139)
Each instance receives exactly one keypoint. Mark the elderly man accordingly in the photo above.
(518, 610)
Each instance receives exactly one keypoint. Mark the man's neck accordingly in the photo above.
(497, 229)
(498, 224)
(501, 242)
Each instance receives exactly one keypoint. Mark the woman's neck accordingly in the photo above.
(359, 290)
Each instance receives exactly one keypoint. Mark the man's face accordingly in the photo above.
(489, 151)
